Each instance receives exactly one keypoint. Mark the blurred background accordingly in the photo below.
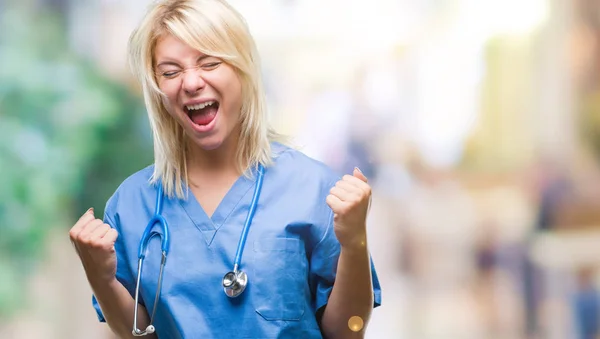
(477, 122)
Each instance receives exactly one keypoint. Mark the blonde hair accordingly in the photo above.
(214, 28)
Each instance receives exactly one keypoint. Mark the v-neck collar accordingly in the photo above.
(210, 225)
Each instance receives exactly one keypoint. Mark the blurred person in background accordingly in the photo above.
(553, 189)
(586, 305)
(309, 273)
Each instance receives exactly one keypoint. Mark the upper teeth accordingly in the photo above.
(199, 106)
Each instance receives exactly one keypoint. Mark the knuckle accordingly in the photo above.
(86, 240)
(96, 243)
(116, 233)
(81, 238)
(108, 246)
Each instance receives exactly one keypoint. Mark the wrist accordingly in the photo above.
(102, 286)
(358, 244)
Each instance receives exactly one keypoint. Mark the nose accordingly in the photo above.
(192, 81)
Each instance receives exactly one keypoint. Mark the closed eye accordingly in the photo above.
(211, 65)
(170, 74)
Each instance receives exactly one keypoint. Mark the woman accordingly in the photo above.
(305, 251)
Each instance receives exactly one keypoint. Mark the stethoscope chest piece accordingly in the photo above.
(234, 283)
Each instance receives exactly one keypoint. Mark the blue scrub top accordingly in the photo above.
(290, 256)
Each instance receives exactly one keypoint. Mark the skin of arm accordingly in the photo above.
(117, 307)
(350, 304)
(94, 242)
(351, 296)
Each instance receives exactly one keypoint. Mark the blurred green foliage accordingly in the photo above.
(68, 136)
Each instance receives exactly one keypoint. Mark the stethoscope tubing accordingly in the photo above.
(253, 204)
(157, 218)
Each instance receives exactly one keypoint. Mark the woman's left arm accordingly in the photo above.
(351, 301)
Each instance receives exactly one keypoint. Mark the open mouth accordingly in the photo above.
(202, 114)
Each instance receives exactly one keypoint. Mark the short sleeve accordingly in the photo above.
(124, 274)
(323, 267)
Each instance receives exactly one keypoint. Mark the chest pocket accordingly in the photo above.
(280, 278)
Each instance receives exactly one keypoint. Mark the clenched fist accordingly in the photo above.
(94, 242)
(349, 200)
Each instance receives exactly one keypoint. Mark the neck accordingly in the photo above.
(207, 164)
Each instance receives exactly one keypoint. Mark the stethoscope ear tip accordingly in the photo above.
(138, 333)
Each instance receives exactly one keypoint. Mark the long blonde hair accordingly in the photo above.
(214, 28)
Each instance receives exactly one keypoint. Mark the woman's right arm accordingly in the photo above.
(94, 242)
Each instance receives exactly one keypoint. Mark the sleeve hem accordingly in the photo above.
(99, 313)
(376, 298)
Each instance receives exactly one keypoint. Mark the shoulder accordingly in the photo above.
(299, 185)
(136, 184)
(297, 166)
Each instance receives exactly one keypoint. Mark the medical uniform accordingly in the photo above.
(290, 255)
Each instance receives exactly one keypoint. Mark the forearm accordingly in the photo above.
(352, 295)
(117, 307)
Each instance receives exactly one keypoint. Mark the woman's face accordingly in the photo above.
(203, 93)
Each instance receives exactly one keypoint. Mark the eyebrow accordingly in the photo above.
(173, 63)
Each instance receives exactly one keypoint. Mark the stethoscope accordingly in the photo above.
(234, 282)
